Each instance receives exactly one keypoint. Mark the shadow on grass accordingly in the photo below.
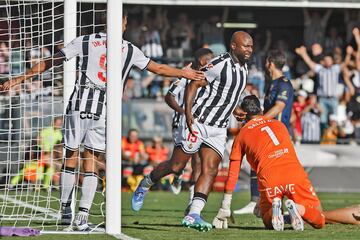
(247, 228)
(160, 224)
(143, 228)
(255, 228)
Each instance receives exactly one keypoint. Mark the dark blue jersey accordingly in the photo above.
(280, 90)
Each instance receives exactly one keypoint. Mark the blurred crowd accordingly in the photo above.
(326, 108)
(18, 57)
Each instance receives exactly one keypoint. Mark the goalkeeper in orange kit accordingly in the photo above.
(270, 152)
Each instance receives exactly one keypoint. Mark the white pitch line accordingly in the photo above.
(27, 205)
(124, 237)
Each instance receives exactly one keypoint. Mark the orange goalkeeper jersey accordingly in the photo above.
(266, 144)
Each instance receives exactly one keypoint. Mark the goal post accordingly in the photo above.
(113, 121)
(70, 24)
(31, 30)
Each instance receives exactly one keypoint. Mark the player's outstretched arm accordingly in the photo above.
(39, 68)
(190, 93)
(166, 70)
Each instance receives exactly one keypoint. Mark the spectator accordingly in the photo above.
(17, 64)
(180, 37)
(129, 91)
(151, 41)
(283, 47)
(310, 121)
(332, 132)
(4, 58)
(133, 31)
(327, 82)
(49, 142)
(298, 107)
(211, 34)
(315, 26)
(343, 120)
(316, 52)
(157, 152)
(35, 170)
(352, 78)
(133, 159)
(352, 20)
(333, 40)
(256, 70)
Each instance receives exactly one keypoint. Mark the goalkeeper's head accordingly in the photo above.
(251, 106)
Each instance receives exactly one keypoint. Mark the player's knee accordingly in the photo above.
(210, 171)
(176, 168)
(268, 225)
(320, 224)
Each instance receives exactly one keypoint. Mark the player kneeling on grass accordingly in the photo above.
(270, 152)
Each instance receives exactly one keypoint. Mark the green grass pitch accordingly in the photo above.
(162, 213)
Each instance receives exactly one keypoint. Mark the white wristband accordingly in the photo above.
(226, 202)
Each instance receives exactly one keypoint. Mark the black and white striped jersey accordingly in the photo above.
(227, 80)
(328, 80)
(177, 89)
(310, 124)
(89, 94)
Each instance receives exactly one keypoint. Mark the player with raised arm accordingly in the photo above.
(280, 174)
(175, 100)
(86, 111)
(207, 116)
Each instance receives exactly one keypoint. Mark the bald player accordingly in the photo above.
(204, 128)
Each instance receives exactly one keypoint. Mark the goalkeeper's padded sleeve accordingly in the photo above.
(233, 175)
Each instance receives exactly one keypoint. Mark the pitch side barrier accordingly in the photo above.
(329, 155)
(331, 168)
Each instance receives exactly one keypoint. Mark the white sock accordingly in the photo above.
(67, 182)
(88, 190)
(147, 182)
(191, 193)
(197, 206)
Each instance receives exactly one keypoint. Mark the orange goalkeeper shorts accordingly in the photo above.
(290, 181)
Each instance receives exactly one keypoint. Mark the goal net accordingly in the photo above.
(32, 113)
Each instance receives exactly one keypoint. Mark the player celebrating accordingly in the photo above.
(278, 104)
(175, 99)
(207, 117)
(85, 115)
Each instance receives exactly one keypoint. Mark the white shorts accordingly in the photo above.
(213, 137)
(81, 128)
(176, 136)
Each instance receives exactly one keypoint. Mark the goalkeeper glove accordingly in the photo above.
(221, 219)
(224, 213)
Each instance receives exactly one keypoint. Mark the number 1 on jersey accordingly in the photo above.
(271, 134)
